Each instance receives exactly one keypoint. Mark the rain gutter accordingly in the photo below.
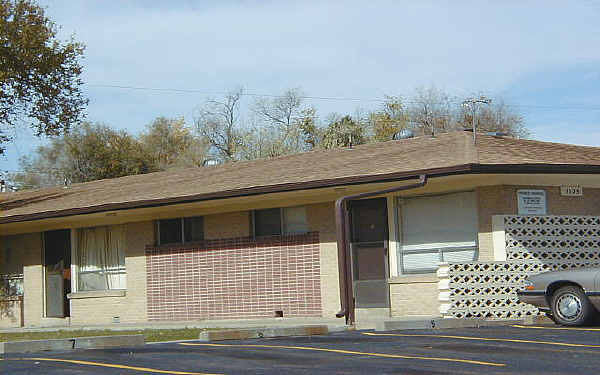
(342, 225)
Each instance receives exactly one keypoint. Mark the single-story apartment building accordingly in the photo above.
(266, 238)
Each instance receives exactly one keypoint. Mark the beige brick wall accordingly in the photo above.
(321, 218)
(132, 307)
(33, 285)
(414, 298)
(502, 200)
(227, 225)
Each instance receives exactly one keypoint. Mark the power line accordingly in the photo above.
(329, 98)
(202, 92)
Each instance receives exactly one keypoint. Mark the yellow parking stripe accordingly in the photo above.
(383, 355)
(87, 363)
(558, 328)
(485, 339)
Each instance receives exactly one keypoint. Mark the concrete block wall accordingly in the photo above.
(415, 295)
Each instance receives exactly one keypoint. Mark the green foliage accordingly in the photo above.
(170, 144)
(308, 126)
(96, 151)
(39, 75)
(343, 132)
(48, 166)
(390, 120)
(280, 126)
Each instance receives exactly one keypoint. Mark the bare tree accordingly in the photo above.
(432, 111)
(291, 121)
(219, 123)
(496, 117)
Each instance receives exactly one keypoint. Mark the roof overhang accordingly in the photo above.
(307, 185)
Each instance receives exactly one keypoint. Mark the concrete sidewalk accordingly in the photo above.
(334, 325)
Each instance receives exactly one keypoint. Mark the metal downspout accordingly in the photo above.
(342, 226)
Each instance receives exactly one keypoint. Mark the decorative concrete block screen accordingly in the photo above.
(483, 290)
(235, 278)
(533, 244)
(554, 242)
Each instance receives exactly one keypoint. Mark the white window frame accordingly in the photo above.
(75, 265)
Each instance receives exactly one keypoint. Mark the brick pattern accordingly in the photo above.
(235, 278)
(418, 298)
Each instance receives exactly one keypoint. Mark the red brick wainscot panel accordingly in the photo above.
(235, 278)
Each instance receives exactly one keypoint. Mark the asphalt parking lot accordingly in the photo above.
(491, 350)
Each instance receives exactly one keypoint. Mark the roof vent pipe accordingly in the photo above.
(497, 134)
(404, 134)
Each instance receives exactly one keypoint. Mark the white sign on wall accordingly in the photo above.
(571, 190)
(531, 202)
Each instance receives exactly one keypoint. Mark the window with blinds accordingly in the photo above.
(436, 229)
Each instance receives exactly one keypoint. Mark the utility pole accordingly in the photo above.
(471, 104)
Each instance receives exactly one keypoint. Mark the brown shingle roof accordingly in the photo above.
(451, 152)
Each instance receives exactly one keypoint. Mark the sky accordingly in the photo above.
(541, 57)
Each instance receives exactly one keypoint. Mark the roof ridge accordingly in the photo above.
(536, 141)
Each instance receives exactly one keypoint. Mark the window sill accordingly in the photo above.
(414, 279)
(97, 294)
(10, 298)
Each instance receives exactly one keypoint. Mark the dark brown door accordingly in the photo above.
(370, 253)
(57, 264)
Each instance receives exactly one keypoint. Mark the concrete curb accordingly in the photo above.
(440, 323)
(94, 342)
(256, 333)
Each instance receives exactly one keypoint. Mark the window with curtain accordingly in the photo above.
(11, 267)
(101, 258)
(436, 229)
